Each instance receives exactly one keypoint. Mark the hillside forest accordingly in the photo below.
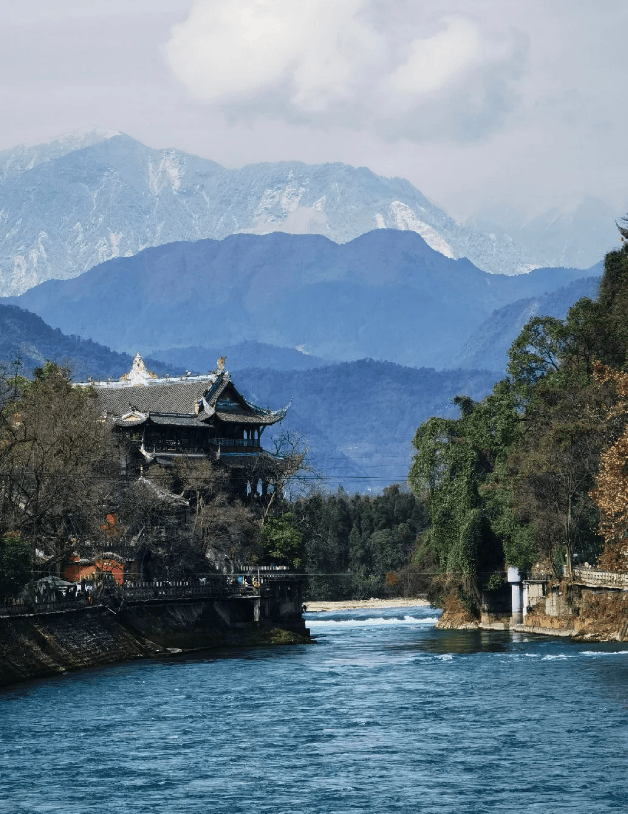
(535, 473)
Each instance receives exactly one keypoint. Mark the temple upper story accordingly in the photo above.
(185, 414)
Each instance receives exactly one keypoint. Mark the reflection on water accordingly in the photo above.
(461, 642)
(384, 714)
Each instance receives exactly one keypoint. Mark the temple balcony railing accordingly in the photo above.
(235, 442)
(177, 448)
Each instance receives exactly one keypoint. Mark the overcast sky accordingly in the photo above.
(487, 103)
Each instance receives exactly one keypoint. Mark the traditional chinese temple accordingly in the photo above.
(194, 416)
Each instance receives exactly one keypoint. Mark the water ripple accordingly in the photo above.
(385, 714)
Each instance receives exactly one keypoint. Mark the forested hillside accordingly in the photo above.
(27, 337)
(359, 417)
(536, 470)
(359, 546)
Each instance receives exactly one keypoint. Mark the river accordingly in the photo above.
(384, 714)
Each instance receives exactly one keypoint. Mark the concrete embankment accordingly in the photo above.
(45, 644)
(592, 614)
(38, 645)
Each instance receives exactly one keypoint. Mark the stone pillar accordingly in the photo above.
(256, 609)
(514, 578)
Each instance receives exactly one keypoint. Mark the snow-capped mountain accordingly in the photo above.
(98, 194)
(575, 235)
(76, 202)
(23, 158)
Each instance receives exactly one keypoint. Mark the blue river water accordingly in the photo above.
(384, 714)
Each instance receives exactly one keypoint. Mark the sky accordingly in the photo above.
(491, 105)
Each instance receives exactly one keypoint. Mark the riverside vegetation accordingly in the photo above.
(63, 495)
(536, 471)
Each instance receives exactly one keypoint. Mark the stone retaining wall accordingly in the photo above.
(37, 645)
(568, 609)
(43, 644)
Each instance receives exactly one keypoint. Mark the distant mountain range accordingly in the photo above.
(385, 295)
(358, 418)
(244, 355)
(348, 294)
(488, 345)
(576, 237)
(76, 202)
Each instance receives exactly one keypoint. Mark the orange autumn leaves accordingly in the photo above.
(611, 491)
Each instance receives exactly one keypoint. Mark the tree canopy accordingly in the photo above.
(537, 470)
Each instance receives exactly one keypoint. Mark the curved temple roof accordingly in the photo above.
(140, 394)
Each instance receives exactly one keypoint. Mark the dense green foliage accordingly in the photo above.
(281, 541)
(509, 481)
(351, 544)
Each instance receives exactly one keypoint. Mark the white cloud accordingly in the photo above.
(436, 61)
(229, 53)
(325, 62)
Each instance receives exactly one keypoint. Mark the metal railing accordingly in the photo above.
(49, 604)
(212, 586)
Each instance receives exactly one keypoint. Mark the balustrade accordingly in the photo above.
(235, 442)
(246, 582)
(594, 578)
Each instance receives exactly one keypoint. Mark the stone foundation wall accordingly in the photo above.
(595, 614)
(190, 624)
(44, 644)
(590, 613)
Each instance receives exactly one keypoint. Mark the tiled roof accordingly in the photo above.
(174, 401)
(176, 397)
(163, 494)
(216, 388)
(247, 418)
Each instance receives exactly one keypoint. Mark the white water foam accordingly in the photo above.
(556, 658)
(604, 653)
(371, 622)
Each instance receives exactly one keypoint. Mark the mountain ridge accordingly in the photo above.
(385, 295)
(64, 212)
(26, 340)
